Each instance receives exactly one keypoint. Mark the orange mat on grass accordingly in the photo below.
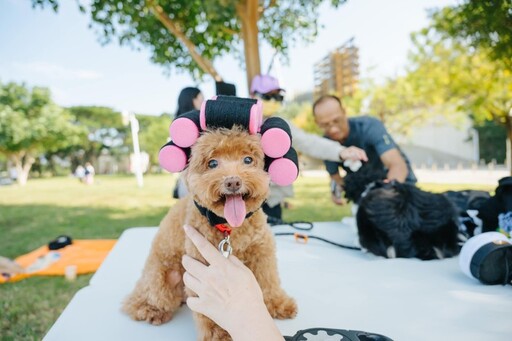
(86, 255)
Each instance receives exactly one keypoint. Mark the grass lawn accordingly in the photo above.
(33, 215)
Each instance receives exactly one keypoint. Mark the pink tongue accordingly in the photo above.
(234, 210)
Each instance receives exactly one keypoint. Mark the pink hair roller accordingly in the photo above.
(184, 130)
(173, 158)
(276, 137)
(284, 171)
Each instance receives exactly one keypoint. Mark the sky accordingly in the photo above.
(59, 51)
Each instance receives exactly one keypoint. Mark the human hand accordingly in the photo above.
(337, 192)
(227, 292)
(338, 201)
(353, 153)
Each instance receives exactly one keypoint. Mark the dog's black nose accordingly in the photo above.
(233, 183)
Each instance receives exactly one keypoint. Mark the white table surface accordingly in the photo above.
(404, 299)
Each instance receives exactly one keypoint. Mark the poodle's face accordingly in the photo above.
(226, 174)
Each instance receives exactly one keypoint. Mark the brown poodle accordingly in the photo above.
(225, 177)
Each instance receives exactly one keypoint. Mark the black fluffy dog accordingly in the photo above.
(401, 220)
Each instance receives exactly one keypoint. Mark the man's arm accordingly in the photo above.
(395, 163)
(323, 148)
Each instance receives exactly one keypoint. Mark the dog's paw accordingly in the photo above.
(216, 334)
(209, 331)
(283, 307)
(143, 311)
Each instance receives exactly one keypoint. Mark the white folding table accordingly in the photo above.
(404, 299)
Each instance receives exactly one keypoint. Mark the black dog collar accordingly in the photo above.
(214, 219)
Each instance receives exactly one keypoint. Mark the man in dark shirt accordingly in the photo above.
(364, 132)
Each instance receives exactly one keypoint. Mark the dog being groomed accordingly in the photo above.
(228, 183)
(400, 220)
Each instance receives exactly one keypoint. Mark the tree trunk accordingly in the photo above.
(22, 162)
(174, 29)
(508, 122)
(248, 13)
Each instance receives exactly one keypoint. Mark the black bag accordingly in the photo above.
(467, 199)
(501, 202)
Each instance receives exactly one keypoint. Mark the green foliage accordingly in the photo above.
(105, 130)
(153, 134)
(304, 119)
(213, 27)
(492, 137)
(451, 75)
(444, 79)
(32, 124)
(484, 24)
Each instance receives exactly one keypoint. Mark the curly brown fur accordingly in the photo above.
(160, 291)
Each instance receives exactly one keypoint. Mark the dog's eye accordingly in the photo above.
(213, 163)
(247, 160)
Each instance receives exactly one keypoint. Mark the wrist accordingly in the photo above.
(340, 154)
(257, 325)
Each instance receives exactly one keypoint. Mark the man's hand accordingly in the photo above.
(337, 193)
(353, 153)
(339, 201)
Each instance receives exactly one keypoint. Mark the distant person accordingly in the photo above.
(267, 89)
(80, 173)
(190, 98)
(365, 132)
(89, 173)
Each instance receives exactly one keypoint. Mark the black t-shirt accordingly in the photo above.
(369, 133)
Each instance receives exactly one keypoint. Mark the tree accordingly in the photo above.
(190, 34)
(154, 132)
(461, 78)
(486, 26)
(105, 131)
(31, 124)
(483, 24)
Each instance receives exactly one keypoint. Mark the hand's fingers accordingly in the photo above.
(364, 157)
(205, 248)
(336, 200)
(193, 283)
(194, 267)
(194, 304)
(359, 154)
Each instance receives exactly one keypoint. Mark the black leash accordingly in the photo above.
(303, 226)
(305, 237)
(298, 225)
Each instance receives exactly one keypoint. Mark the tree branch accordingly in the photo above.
(171, 26)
